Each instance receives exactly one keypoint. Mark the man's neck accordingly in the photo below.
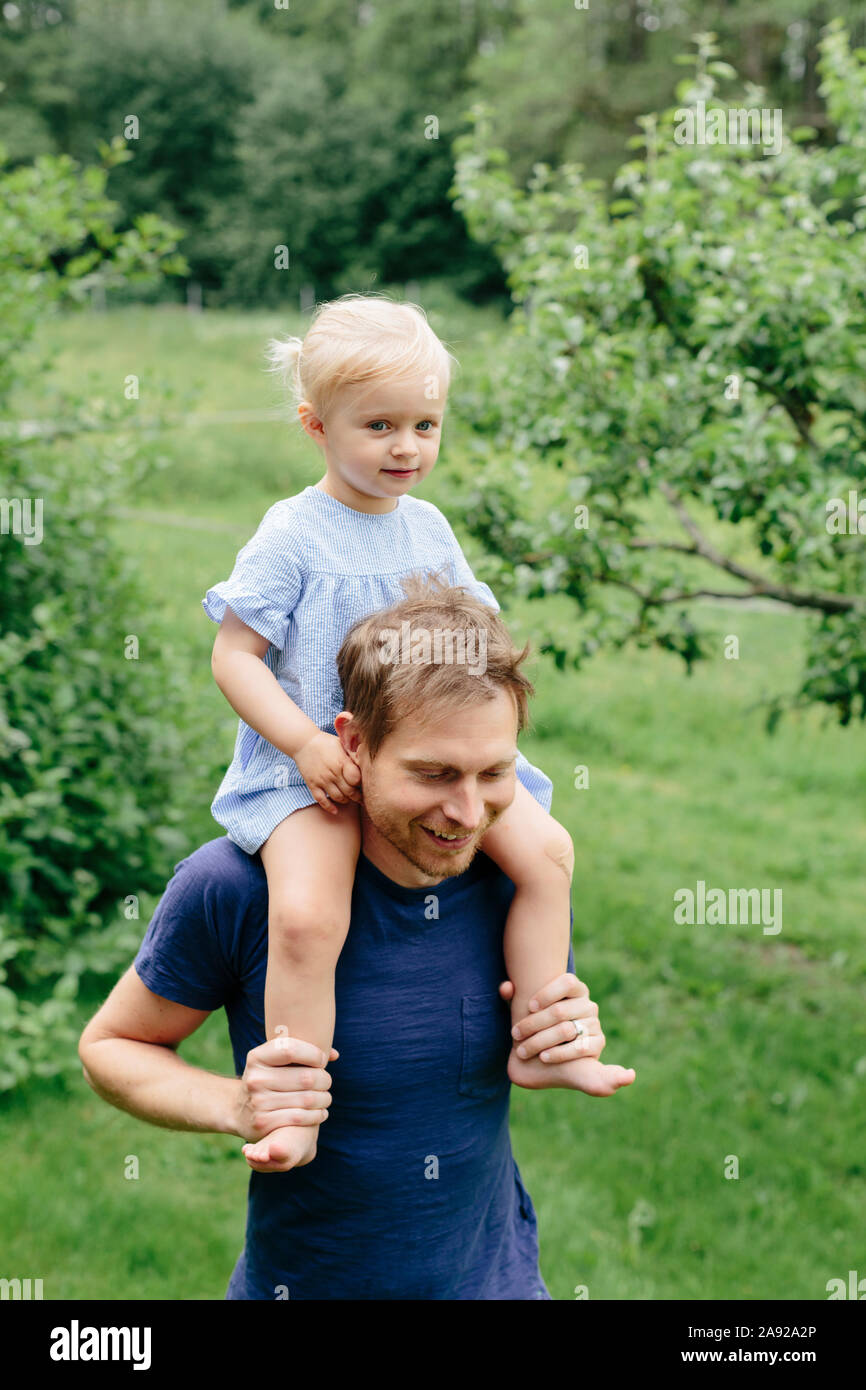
(388, 859)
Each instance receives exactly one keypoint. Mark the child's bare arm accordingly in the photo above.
(254, 693)
(253, 690)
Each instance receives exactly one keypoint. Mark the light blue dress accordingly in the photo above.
(313, 569)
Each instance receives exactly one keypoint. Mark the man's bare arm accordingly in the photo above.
(253, 690)
(127, 1052)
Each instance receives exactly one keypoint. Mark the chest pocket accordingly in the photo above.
(486, 1046)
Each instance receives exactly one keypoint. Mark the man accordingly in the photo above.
(413, 1192)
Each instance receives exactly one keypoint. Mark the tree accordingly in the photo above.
(173, 81)
(346, 155)
(687, 363)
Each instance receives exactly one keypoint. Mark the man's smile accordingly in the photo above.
(448, 839)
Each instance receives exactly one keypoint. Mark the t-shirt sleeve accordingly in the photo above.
(182, 956)
(265, 584)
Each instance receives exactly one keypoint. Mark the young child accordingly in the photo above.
(370, 379)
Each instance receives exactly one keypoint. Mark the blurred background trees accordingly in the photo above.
(310, 127)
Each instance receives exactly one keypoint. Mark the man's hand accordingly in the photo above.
(284, 1083)
(553, 1056)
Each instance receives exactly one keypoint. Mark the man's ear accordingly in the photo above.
(347, 733)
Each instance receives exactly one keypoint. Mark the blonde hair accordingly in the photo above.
(355, 339)
(380, 694)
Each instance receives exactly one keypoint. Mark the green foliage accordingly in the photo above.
(687, 362)
(88, 739)
(185, 74)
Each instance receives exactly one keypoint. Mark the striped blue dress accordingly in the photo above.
(314, 568)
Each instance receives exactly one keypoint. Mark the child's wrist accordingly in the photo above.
(297, 745)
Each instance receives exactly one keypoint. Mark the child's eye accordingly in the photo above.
(373, 423)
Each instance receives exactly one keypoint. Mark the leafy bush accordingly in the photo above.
(89, 741)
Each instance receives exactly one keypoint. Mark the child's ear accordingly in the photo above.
(310, 422)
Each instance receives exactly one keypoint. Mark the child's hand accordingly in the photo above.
(328, 772)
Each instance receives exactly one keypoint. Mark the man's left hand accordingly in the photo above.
(546, 1036)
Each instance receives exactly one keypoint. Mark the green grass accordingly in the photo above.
(745, 1044)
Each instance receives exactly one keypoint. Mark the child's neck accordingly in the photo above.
(350, 497)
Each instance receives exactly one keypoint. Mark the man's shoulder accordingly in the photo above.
(194, 948)
(218, 874)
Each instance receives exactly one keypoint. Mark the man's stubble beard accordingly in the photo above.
(409, 842)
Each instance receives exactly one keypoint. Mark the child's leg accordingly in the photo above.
(310, 861)
(537, 855)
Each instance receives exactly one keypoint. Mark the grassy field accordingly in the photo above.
(745, 1044)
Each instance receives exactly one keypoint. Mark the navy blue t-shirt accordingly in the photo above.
(414, 1192)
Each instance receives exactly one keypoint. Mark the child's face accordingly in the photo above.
(380, 440)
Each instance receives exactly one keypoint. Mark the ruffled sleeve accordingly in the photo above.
(466, 579)
(462, 573)
(265, 584)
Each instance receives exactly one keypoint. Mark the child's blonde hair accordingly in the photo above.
(360, 338)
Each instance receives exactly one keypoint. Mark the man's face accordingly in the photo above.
(449, 774)
(381, 440)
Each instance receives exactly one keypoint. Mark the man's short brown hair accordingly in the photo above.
(379, 692)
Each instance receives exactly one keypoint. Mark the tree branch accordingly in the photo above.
(649, 600)
(639, 544)
(766, 588)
